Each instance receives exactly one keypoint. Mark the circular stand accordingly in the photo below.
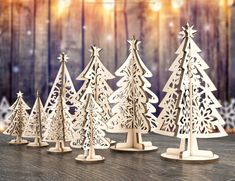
(22, 142)
(60, 150)
(147, 149)
(112, 142)
(85, 159)
(42, 144)
(190, 159)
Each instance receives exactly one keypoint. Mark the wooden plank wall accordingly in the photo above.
(33, 33)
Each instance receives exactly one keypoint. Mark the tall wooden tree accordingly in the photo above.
(133, 112)
(63, 81)
(4, 113)
(36, 124)
(189, 107)
(18, 118)
(95, 77)
(93, 135)
(59, 127)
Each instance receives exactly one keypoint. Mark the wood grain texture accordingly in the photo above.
(32, 35)
(27, 164)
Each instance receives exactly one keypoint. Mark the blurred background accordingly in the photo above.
(33, 33)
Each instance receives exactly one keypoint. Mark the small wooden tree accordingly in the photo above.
(36, 124)
(189, 107)
(133, 112)
(63, 80)
(227, 112)
(4, 113)
(95, 77)
(59, 128)
(18, 118)
(93, 136)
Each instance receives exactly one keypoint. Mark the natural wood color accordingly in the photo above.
(37, 164)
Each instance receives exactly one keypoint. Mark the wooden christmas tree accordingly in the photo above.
(133, 112)
(93, 136)
(36, 124)
(4, 113)
(18, 118)
(59, 128)
(189, 107)
(63, 80)
(94, 76)
(227, 112)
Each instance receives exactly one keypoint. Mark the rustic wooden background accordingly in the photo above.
(33, 33)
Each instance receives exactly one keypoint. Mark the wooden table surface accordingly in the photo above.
(20, 163)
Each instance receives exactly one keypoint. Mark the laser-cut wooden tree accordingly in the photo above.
(95, 77)
(36, 124)
(93, 135)
(189, 107)
(18, 118)
(4, 113)
(59, 128)
(63, 80)
(133, 112)
(227, 112)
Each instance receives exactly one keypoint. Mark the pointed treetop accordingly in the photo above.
(188, 31)
(19, 94)
(134, 44)
(63, 57)
(37, 93)
(95, 51)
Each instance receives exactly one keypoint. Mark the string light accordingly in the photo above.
(108, 4)
(155, 5)
(176, 4)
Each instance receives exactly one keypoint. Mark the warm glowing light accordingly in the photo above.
(29, 32)
(108, 4)
(109, 38)
(155, 5)
(229, 2)
(171, 24)
(207, 27)
(62, 5)
(176, 4)
(1, 128)
(89, 1)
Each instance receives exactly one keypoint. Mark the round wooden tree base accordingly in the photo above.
(112, 142)
(15, 142)
(42, 144)
(84, 159)
(150, 148)
(191, 159)
(59, 150)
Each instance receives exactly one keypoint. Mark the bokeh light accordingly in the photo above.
(63, 5)
(155, 5)
(108, 4)
(176, 4)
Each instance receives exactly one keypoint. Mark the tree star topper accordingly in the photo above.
(63, 57)
(95, 51)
